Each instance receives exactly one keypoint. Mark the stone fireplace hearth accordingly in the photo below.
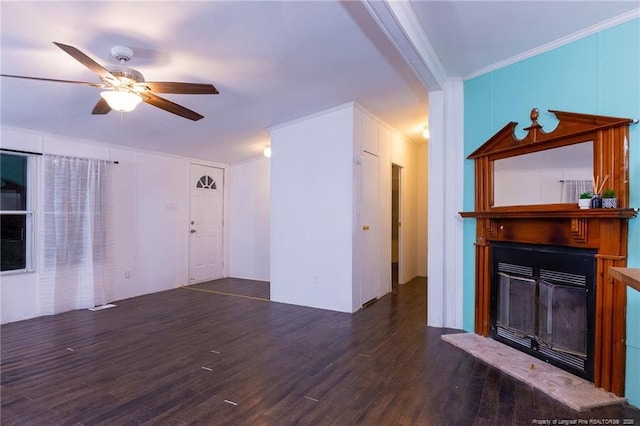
(567, 388)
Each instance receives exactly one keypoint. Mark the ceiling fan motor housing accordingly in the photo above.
(127, 75)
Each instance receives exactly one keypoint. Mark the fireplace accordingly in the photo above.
(532, 314)
(543, 303)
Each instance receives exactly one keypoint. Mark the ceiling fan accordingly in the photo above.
(125, 87)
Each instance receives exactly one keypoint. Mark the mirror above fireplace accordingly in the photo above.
(552, 176)
(600, 142)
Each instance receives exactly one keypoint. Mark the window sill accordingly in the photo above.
(16, 272)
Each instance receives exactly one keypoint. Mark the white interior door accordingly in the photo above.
(370, 228)
(205, 244)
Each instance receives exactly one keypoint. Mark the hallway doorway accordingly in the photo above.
(396, 223)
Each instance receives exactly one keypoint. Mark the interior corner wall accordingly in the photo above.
(312, 211)
(597, 74)
(151, 215)
(250, 213)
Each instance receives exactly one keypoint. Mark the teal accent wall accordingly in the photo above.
(598, 74)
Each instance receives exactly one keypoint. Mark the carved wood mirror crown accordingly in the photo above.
(607, 136)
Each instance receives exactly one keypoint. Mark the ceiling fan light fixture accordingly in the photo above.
(121, 100)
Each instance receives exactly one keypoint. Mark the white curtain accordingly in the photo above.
(571, 189)
(76, 254)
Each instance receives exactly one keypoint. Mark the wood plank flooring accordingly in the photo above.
(185, 357)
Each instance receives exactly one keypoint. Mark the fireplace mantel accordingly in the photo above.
(553, 213)
(604, 230)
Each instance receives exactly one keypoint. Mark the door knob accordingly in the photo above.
(365, 227)
(193, 231)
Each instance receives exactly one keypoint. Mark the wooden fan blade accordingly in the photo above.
(102, 107)
(167, 105)
(183, 88)
(88, 62)
(86, 83)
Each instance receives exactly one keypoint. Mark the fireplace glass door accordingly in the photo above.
(516, 307)
(563, 318)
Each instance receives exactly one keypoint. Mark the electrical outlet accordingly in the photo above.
(314, 279)
(127, 273)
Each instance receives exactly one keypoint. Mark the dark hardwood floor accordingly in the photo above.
(193, 357)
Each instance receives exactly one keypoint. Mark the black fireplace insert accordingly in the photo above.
(543, 303)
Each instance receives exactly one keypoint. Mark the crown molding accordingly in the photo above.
(601, 26)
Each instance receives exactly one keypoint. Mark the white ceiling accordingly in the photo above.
(472, 36)
(272, 61)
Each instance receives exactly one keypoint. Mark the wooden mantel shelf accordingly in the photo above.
(629, 276)
(553, 213)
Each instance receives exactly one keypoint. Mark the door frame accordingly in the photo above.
(400, 212)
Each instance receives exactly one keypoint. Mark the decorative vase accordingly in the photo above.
(609, 203)
(596, 202)
(584, 203)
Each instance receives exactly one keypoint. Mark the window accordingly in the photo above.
(16, 215)
(206, 182)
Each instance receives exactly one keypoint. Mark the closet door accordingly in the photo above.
(370, 230)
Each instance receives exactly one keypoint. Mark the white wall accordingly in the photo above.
(163, 232)
(311, 211)
(125, 212)
(250, 212)
(151, 239)
(19, 296)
